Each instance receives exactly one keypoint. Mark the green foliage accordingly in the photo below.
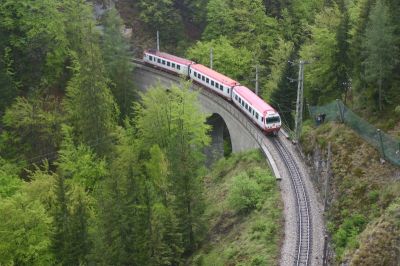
(380, 49)
(9, 179)
(36, 41)
(89, 102)
(244, 21)
(233, 62)
(245, 194)
(34, 125)
(320, 76)
(9, 87)
(166, 239)
(79, 163)
(278, 62)
(25, 230)
(162, 16)
(117, 61)
(172, 120)
(70, 240)
(240, 237)
(347, 233)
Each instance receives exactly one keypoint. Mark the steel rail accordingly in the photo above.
(304, 227)
(304, 233)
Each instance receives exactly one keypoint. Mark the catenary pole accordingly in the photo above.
(256, 79)
(158, 41)
(299, 102)
(211, 57)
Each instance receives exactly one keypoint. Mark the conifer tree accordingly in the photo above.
(172, 120)
(60, 217)
(78, 245)
(117, 61)
(122, 233)
(89, 102)
(380, 49)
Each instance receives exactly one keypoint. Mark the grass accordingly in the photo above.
(237, 237)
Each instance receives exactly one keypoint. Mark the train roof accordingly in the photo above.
(214, 75)
(170, 57)
(254, 100)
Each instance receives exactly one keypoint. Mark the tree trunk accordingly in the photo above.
(380, 89)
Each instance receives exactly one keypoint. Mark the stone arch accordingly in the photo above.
(210, 104)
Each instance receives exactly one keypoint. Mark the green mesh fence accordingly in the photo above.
(387, 145)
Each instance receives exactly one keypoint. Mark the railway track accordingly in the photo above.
(304, 229)
(302, 252)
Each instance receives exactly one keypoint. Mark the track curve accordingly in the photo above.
(304, 232)
(282, 159)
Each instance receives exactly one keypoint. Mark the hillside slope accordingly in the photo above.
(362, 216)
(243, 213)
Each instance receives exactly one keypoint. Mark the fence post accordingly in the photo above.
(325, 254)
(340, 111)
(398, 150)
(381, 142)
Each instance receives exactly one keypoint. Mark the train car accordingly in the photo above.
(259, 111)
(167, 62)
(213, 80)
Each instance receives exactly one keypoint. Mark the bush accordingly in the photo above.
(397, 110)
(245, 194)
(346, 236)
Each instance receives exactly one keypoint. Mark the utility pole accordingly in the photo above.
(256, 79)
(158, 41)
(211, 58)
(299, 102)
(328, 175)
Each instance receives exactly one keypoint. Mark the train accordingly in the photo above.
(260, 112)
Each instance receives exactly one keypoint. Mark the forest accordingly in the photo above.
(91, 175)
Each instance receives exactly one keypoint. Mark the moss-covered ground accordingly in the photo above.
(244, 213)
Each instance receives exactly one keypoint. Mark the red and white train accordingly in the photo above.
(261, 113)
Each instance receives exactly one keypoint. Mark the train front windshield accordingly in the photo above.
(273, 120)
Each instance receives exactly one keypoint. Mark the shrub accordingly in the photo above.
(245, 194)
(397, 110)
(346, 236)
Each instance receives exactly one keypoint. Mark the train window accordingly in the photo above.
(247, 106)
(212, 82)
(173, 65)
(221, 87)
(178, 67)
(151, 58)
(168, 63)
(250, 110)
(228, 90)
(216, 85)
(207, 80)
(242, 103)
(159, 60)
(262, 119)
(256, 115)
(273, 119)
(195, 74)
(236, 98)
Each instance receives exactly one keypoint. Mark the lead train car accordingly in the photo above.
(168, 62)
(254, 107)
